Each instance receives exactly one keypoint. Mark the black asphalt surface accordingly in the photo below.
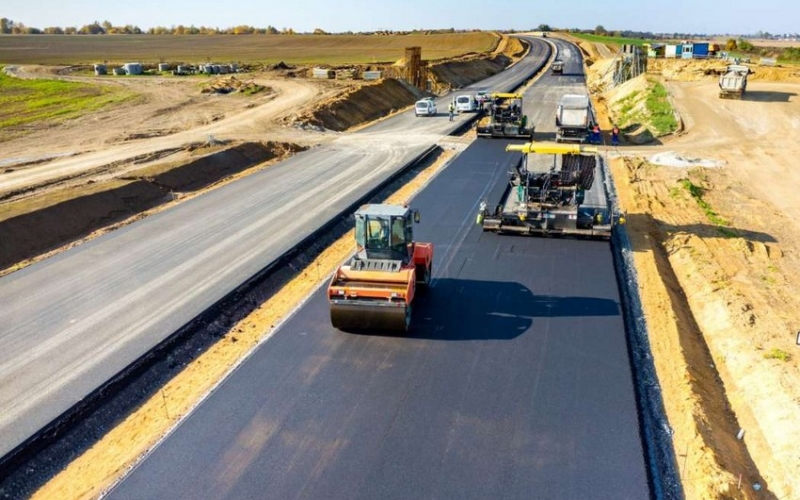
(515, 382)
(69, 324)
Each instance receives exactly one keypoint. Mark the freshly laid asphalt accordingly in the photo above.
(514, 383)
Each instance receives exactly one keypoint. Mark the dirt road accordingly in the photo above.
(169, 115)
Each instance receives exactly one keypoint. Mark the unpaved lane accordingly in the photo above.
(756, 136)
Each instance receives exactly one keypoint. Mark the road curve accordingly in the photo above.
(514, 383)
(70, 323)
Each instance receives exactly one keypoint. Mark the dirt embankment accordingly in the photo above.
(670, 240)
(31, 227)
(469, 69)
(713, 244)
(364, 104)
(370, 102)
(457, 74)
(692, 70)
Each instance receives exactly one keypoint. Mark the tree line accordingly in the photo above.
(10, 27)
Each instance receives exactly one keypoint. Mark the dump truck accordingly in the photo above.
(504, 118)
(574, 118)
(376, 289)
(557, 67)
(555, 189)
(733, 83)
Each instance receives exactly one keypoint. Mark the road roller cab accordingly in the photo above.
(375, 290)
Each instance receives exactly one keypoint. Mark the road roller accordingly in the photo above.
(376, 288)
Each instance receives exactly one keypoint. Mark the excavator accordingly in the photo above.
(376, 289)
(556, 189)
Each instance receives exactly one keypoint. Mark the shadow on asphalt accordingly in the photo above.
(458, 310)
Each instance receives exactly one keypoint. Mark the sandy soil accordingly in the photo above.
(718, 283)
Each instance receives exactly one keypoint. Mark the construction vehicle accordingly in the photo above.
(376, 289)
(574, 118)
(733, 83)
(557, 67)
(564, 195)
(504, 118)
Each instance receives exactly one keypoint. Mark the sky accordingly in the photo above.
(664, 16)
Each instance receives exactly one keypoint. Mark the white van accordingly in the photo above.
(425, 107)
(466, 103)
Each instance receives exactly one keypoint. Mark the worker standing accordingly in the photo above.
(452, 109)
(615, 136)
(596, 134)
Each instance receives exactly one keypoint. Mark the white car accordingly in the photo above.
(482, 96)
(425, 107)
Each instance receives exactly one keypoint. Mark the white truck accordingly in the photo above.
(574, 118)
(733, 82)
(425, 107)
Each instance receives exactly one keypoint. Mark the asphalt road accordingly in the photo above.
(514, 383)
(70, 323)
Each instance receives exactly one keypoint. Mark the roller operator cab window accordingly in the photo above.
(383, 233)
(377, 233)
(361, 237)
(398, 234)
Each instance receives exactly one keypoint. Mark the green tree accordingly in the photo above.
(5, 26)
(745, 46)
(91, 29)
(543, 27)
(600, 30)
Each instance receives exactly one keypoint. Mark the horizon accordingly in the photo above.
(610, 33)
(739, 17)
